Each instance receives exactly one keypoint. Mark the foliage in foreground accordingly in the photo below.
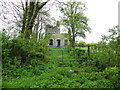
(51, 75)
(61, 77)
(18, 51)
(100, 71)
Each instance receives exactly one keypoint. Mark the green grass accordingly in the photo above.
(56, 73)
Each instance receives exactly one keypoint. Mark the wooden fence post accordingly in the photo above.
(88, 51)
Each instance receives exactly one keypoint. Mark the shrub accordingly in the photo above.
(112, 74)
(19, 51)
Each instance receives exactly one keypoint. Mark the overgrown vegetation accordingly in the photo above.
(29, 63)
(18, 51)
(44, 69)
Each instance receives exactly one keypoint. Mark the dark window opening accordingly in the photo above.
(51, 42)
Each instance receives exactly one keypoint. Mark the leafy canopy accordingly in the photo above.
(74, 19)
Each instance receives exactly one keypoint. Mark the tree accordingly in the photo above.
(42, 19)
(113, 42)
(22, 16)
(10, 16)
(74, 20)
(31, 11)
(113, 37)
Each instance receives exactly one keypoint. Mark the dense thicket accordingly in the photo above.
(18, 51)
(99, 71)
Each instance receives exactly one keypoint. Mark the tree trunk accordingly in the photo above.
(30, 16)
(73, 34)
(24, 18)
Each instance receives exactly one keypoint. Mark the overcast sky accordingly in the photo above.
(103, 14)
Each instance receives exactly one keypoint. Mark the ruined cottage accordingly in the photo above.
(57, 39)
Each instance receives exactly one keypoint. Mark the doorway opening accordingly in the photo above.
(58, 42)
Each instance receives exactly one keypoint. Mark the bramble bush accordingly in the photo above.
(18, 52)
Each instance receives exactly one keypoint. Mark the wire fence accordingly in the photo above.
(64, 55)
